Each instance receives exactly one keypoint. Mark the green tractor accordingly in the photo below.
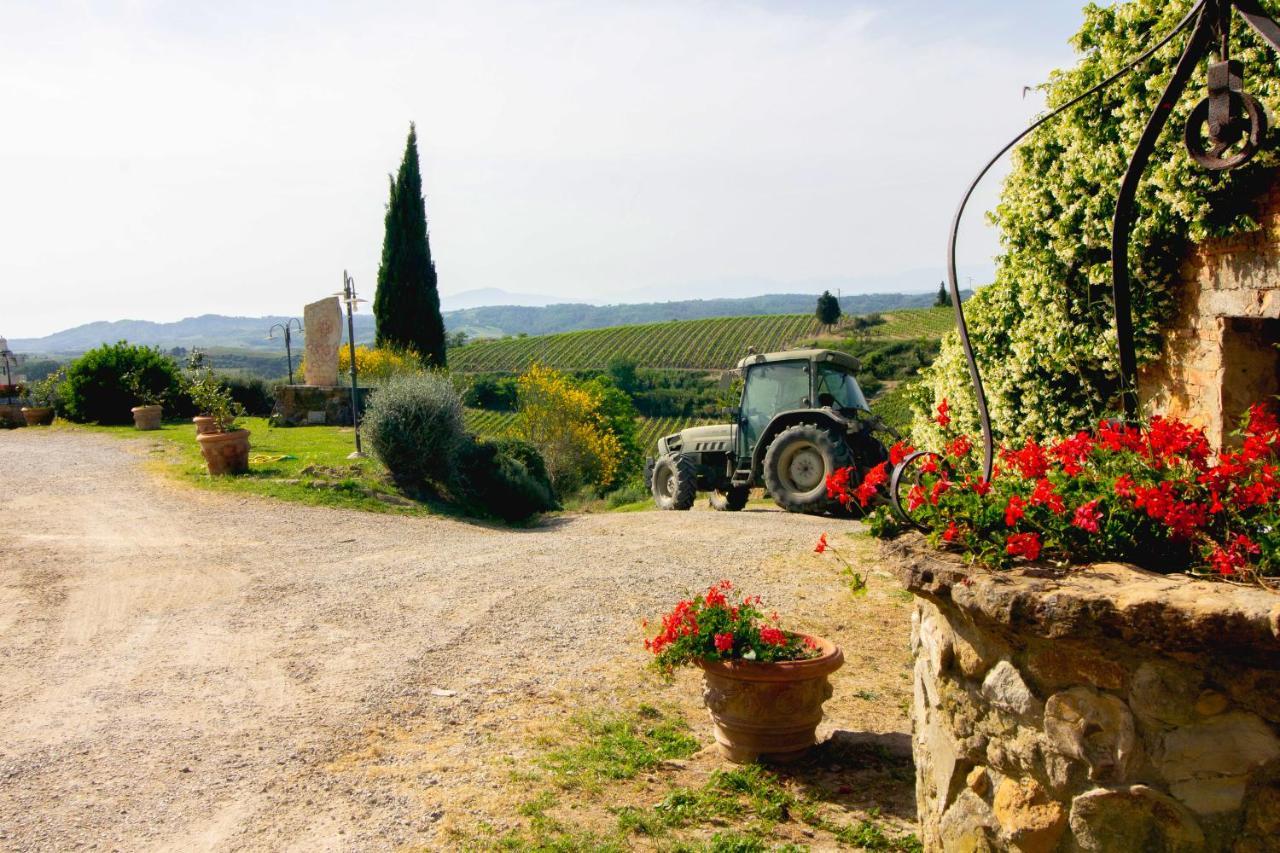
(801, 418)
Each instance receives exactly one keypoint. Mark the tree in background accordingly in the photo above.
(943, 299)
(828, 311)
(566, 424)
(407, 304)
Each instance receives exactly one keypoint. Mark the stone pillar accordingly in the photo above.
(1099, 709)
(322, 322)
(1219, 353)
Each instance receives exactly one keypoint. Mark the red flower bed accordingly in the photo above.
(1152, 495)
(722, 625)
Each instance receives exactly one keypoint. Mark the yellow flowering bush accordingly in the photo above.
(375, 364)
(564, 421)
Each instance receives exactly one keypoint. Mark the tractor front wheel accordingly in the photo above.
(675, 482)
(797, 465)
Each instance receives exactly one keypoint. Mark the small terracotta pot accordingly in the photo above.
(146, 417)
(38, 415)
(768, 711)
(204, 424)
(225, 452)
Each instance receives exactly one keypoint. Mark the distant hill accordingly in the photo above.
(494, 296)
(205, 331)
(217, 330)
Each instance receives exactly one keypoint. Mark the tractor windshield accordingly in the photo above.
(841, 387)
(772, 388)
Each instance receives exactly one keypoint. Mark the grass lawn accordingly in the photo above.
(304, 464)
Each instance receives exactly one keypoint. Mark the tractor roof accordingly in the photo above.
(842, 359)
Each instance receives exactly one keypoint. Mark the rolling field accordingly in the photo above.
(713, 344)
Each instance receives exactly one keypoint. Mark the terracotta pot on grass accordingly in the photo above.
(204, 424)
(146, 417)
(38, 415)
(768, 711)
(225, 452)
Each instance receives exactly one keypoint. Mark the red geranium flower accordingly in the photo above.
(724, 642)
(1032, 462)
(1087, 517)
(822, 544)
(900, 450)
(952, 533)
(1046, 496)
(773, 636)
(944, 416)
(1023, 545)
(1014, 510)
(960, 446)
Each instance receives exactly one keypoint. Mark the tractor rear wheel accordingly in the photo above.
(797, 465)
(731, 499)
(675, 482)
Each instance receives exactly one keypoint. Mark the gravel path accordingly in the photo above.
(181, 669)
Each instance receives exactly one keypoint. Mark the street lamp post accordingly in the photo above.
(288, 350)
(348, 296)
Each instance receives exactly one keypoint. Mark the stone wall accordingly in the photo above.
(311, 405)
(1219, 351)
(1102, 709)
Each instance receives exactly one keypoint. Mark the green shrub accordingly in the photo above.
(255, 395)
(504, 478)
(492, 391)
(105, 383)
(414, 425)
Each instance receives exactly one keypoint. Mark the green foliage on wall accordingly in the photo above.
(1043, 331)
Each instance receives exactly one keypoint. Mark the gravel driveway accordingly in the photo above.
(182, 669)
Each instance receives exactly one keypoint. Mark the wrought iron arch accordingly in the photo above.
(1236, 123)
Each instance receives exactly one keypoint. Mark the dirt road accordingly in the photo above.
(187, 670)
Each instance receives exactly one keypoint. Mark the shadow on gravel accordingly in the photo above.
(861, 771)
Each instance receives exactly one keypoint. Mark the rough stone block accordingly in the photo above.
(1095, 728)
(1029, 818)
(1122, 820)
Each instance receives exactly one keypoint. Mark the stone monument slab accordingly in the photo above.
(323, 324)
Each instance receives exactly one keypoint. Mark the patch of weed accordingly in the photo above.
(618, 746)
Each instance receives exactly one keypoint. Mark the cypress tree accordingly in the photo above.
(406, 307)
(943, 299)
(828, 309)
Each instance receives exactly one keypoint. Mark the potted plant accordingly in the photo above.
(196, 371)
(44, 395)
(763, 686)
(146, 416)
(225, 447)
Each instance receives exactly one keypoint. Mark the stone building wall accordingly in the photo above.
(1219, 352)
(1105, 709)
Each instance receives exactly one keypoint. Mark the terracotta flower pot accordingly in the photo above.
(146, 417)
(38, 415)
(225, 452)
(204, 424)
(768, 711)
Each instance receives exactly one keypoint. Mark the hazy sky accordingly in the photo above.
(166, 159)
